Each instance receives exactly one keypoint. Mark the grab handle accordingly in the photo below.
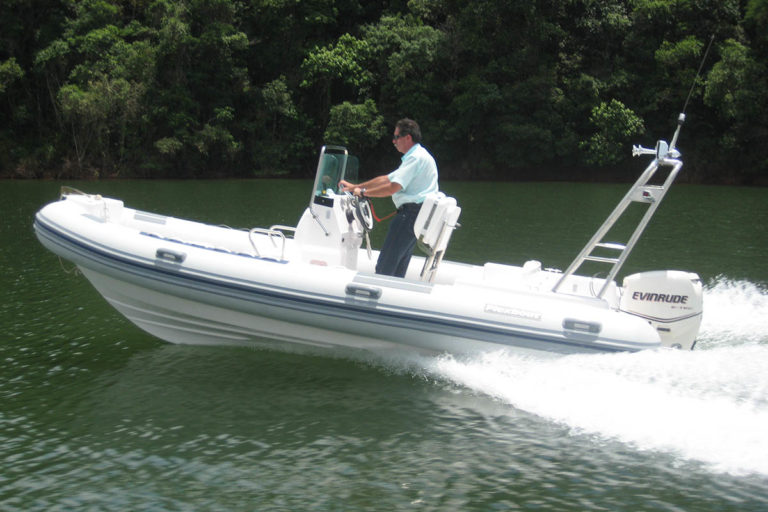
(367, 292)
(169, 255)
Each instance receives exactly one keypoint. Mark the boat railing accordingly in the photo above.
(271, 233)
(66, 190)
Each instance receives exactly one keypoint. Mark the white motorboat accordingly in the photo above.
(314, 284)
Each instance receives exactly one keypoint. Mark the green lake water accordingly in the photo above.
(97, 415)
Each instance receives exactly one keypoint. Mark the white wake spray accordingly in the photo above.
(708, 405)
(735, 313)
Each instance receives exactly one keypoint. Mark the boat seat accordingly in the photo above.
(433, 228)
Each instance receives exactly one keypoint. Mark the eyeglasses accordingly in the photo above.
(395, 137)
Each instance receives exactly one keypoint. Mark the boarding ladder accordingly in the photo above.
(614, 254)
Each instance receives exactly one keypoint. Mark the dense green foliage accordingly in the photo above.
(503, 89)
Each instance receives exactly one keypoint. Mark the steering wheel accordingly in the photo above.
(363, 213)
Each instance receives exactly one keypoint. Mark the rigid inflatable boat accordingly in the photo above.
(314, 284)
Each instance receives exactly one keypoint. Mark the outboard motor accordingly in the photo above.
(671, 301)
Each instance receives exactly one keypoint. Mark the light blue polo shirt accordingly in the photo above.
(417, 175)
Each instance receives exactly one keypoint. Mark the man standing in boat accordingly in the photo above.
(408, 185)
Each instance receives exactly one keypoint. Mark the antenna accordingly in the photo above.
(701, 65)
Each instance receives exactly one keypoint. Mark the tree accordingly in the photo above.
(735, 89)
(342, 63)
(97, 74)
(10, 71)
(502, 88)
(98, 118)
(275, 131)
(616, 127)
(356, 126)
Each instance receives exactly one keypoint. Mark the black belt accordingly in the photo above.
(409, 207)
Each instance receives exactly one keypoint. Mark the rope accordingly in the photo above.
(382, 219)
(75, 271)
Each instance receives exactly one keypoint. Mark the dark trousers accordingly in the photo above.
(399, 243)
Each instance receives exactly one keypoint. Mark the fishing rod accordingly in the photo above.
(681, 117)
(698, 73)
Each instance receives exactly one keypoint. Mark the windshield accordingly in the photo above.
(335, 164)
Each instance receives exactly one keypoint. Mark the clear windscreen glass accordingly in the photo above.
(332, 168)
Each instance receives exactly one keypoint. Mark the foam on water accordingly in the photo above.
(735, 313)
(709, 405)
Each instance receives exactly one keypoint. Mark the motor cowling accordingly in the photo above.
(671, 301)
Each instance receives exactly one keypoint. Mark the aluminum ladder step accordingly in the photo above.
(640, 192)
(601, 259)
(611, 245)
